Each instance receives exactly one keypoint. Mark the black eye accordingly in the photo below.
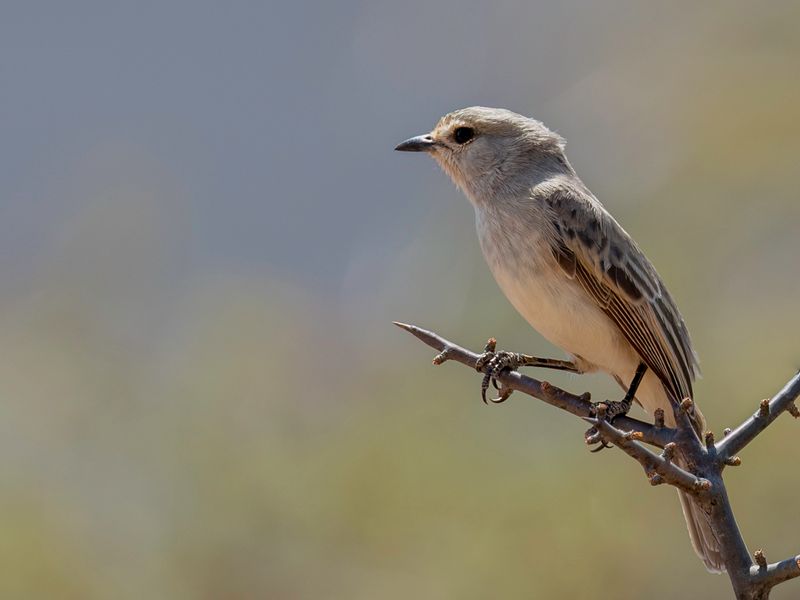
(463, 134)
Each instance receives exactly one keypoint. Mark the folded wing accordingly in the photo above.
(592, 248)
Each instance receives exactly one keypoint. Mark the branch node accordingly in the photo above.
(758, 577)
(709, 439)
(702, 485)
(442, 356)
(763, 409)
(669, 452)
(592, 437)
(600, 411)
(793, 410)
(726, 431)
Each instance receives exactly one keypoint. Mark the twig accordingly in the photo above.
(768, 576)
(652, 463)
(580, 406)
(768, 411)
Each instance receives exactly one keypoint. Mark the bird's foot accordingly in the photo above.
(611, 409)
(491, 364)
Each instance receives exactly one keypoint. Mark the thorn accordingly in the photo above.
(709, 438)
(405, 326)
(760, 559)
(686, 404)
(442, 356)
(655, 478)
(591, 420)
(793, 410)
(658, 417)
(669, 452)
(763, 409)
(702, 485)
(726, 431)
(733, 461)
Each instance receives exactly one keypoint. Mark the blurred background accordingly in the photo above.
(205, 236)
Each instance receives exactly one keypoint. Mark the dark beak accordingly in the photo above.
(421, 143)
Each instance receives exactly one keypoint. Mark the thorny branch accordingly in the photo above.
(752, 577)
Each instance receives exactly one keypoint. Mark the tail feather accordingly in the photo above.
(705, 543)
(652, 395)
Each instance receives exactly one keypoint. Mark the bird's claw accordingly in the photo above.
(593, 438)
(610, 411)
(491, 364)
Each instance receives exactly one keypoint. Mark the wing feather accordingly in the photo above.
(594, 249)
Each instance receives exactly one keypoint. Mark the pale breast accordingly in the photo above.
(522, 262)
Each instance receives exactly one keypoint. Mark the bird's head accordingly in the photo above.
(487, 151)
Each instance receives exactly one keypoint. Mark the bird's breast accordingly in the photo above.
(522, 262)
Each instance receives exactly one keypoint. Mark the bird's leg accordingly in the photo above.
(616, 409)
(491, 363)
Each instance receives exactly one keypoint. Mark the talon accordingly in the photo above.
(491, 364)
(610, 410)
(603, 445)
(504, 395)
(607, 411)
(592, 437)
(485, 386)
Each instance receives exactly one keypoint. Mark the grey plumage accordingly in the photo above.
(567, 266)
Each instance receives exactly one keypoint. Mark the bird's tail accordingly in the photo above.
(704, 542)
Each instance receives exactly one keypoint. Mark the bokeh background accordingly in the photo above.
(204, 238)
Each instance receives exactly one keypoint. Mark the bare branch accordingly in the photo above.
(653, 464)
(580, 406)
(767, 412)
(701, 460)
(768, 576)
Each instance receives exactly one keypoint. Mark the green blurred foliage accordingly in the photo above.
(241, 434)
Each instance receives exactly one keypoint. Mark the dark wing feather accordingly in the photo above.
(594, 249)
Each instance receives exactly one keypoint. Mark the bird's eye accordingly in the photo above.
(463, 134)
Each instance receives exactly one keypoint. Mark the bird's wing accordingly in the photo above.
(592, 248)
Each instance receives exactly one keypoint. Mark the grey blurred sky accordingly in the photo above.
(264, 129)
(146, 144)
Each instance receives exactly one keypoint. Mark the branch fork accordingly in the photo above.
(752, 577)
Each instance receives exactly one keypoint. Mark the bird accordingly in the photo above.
(571, 270)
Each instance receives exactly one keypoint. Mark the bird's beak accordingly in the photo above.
(421, 143)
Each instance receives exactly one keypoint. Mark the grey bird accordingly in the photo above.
(570, 269)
